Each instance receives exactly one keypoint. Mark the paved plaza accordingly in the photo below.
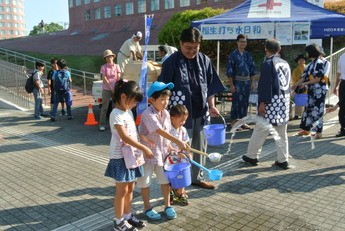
(51, 178)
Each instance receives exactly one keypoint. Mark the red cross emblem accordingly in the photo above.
(270, 4)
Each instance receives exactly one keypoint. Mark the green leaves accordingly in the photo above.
(48, 28)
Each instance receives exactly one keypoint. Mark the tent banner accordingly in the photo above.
(269, 9)
(230, 31)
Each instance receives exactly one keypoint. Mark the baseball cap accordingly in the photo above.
(158, 86)
(138, 34)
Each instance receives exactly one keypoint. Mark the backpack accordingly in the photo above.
(61, 82)
(30, 84)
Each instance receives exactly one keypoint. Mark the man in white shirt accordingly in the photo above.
(163, 53)
(130, 49)
(339, 89)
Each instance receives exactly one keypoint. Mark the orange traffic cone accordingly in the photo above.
(90, 117)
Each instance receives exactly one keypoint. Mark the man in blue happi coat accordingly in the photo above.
(240, 71)
(196, 83)
(274, 106)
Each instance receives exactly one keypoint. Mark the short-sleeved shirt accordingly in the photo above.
(56, 72)
(341, 67)
(125, 119)
(49, 77)
(180, 134)
(150, 122)
(112, 74)
(38, 76)
(128, 46)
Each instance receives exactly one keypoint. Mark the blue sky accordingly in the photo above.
(48, 10)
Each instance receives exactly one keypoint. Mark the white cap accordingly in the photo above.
(138, 34)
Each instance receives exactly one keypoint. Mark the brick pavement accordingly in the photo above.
(52, 178)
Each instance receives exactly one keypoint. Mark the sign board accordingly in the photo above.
(230, 31)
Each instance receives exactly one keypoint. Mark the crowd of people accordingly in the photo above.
(182, 101)
(59, 82)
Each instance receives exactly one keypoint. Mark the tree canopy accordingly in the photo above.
(47, 28)
(170, 33)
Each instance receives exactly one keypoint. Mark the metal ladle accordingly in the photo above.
(214, 157)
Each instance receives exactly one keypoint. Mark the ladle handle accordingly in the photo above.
(199, 152)
(199, 165)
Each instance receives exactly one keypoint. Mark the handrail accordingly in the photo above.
(29, 62)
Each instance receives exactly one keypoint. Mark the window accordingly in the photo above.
(77, 2)
(1, 2)
(107, 12)
(129, 8)
(87, 15)
(9, 24)
(70, 3)
(141, 6)
(2, 24)
(3, 32)
(118, 10)
(8, 2)
(95, 0)
(184, 3)
(97, 13)
(15, 2)
(1, 8)
(9, 17)
(86, 1)
(15, 10)
(17, 32)
(15, 17)
(154, 5)
(2, 17)
(8, 9)
(10, 32)
(218, 0)
(169, 4)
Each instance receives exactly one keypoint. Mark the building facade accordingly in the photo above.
(12, 20)
(128, 15)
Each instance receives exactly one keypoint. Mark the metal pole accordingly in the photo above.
(218, 50)
(331, 63)
(84, 77)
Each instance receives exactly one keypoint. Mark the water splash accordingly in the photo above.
(313, 132)
(259, 121)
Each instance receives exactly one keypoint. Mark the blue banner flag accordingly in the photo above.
(141, 106)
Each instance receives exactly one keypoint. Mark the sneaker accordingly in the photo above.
(37, 118)
(70, 117)
(181, 200)
(52, 119)
(135, 222)
(124, 226)
(63, 112)
(284, 165)
(45, 115)
(251, 161)
(102, 128)
(340, 134)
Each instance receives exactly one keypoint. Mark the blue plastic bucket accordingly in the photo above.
(215, 133)
(179, 175)
(301, 99)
